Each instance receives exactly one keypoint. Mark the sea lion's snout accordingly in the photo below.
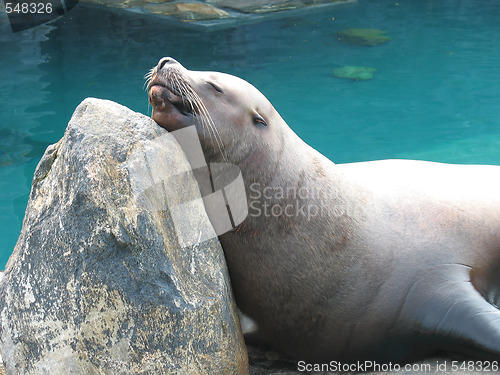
(170, 95)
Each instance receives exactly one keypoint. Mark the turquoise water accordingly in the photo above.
(435, 94)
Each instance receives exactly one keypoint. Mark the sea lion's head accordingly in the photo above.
(234, 120)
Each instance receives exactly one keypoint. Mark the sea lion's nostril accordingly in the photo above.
(164, 61)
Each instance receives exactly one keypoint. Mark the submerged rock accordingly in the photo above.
(363, 37)
(267, 6)
(17, 148)
(259, 6)
(158, 1)
(188, 11)
(356, 73)
(98, 283)
(114, 3)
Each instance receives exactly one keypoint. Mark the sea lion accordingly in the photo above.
(388, 260)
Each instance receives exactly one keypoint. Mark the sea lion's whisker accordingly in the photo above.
(213, 128)
(195, 104)
(146, 83)
(196, 109)
(208, 122)
(148, 77)
(192, 98)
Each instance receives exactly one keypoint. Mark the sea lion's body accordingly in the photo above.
(389, 260)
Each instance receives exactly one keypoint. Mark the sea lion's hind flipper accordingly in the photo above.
(455, 315)
(487, 282)
(474, 324)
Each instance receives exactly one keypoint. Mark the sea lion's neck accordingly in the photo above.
(292, 188)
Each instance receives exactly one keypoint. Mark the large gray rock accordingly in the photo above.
(98, 282)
